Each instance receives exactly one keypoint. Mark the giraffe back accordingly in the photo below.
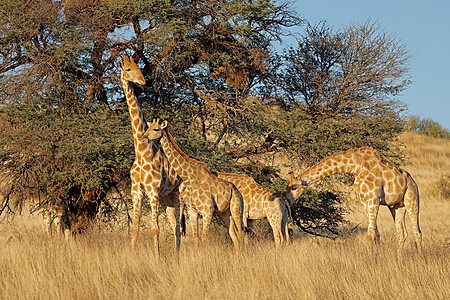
(259, 202)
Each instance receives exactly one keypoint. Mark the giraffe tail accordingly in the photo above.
(183, 224)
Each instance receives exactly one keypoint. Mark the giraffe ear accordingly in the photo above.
(291, 176)
(125, 59)
(164, 124)
(131, 59)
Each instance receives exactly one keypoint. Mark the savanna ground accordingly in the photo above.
(102, 265)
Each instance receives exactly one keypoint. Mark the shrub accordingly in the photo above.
(318, 212)
(69, 160)
(427, 127)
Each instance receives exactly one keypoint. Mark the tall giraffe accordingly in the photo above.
(151, 172)
(260, 203)
(377, 182)
(205, 193)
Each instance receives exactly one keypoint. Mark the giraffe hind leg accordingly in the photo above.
(398, 214)
(373, 235)
(413, 214)
(193, 218)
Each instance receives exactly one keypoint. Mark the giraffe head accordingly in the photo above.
(154, 130)
(131, 72)
(295, 187)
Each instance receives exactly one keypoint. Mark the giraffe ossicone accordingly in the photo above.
(377, 182)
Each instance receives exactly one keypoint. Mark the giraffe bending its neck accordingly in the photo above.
(204, 192)
(260, 203)
(151, 172)
(377, 182)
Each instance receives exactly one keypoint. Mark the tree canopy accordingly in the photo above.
(69, 49)
(211, 68)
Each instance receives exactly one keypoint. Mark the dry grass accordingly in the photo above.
(102, 265)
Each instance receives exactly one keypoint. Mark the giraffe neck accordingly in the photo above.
(178, 160)
(138, 123)
(343, 162)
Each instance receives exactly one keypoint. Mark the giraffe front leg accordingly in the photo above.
(237, 216)
(155, 227)
(285, 229)
(136, 196)
(275, 223)
(173, 214)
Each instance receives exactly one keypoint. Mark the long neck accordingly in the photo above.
(179, 161)
(138, 124)
(344, 162)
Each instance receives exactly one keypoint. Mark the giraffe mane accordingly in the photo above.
(351, 151)
(184, 155)
(343, 153)
(235, 175)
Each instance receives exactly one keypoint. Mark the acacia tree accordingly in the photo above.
(354, 72)
(71, 47)
(59, 58)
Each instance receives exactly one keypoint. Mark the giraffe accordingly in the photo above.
(204, 193)
(54, 217)
(260, 203)
(151, 172)
(377, 182)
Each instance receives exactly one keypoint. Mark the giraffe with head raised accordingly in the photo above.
(377, 182)
(151, 172)
(204, 193)
(260, 203)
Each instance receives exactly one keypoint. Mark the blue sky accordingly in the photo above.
(423, 26)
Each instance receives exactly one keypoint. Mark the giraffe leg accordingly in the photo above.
(372, 206)
(275, 223)
(412, 207)
(236, 210)
(48, 221)
(229, 223)
(193, 219)
(173, 214)
(136, 196)
(249, 229)
(285, 230)
(398, 214)
(206, 223)
(155, 226)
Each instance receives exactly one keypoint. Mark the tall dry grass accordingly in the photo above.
(102, 265)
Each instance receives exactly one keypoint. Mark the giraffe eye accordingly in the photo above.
(294, 187)
(128, 70)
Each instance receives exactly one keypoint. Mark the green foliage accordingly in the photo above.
(313, 139)
(63, 56)
(318, 212)
(70, 160)
(427, 127)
